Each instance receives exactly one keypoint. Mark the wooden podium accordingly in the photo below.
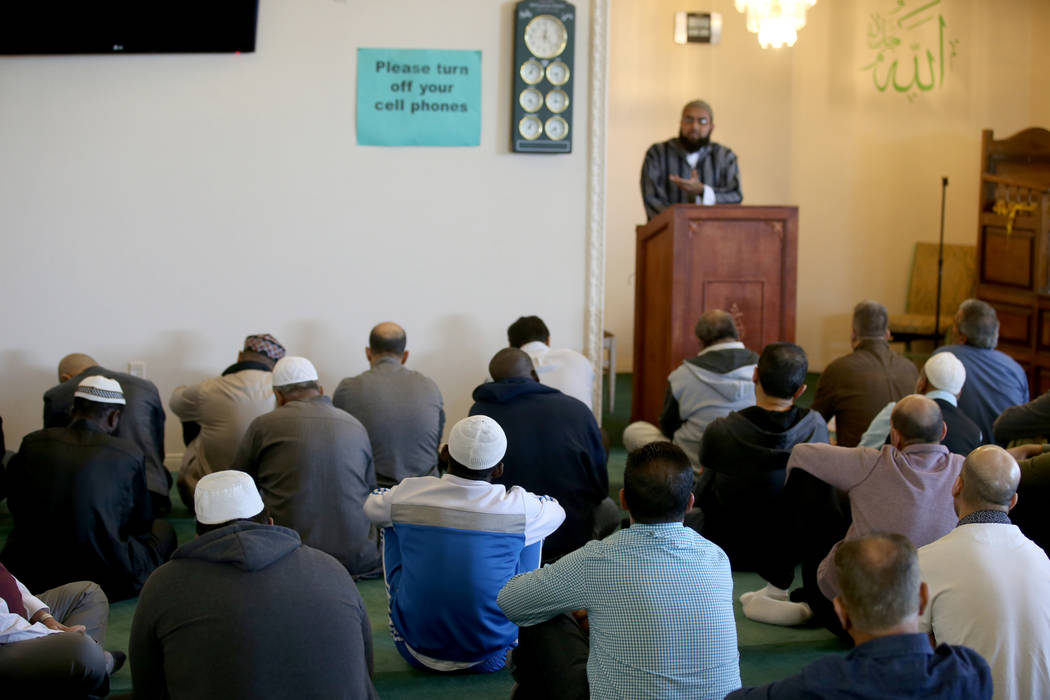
(691, 259)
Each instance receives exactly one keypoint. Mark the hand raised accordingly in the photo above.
(692, 185)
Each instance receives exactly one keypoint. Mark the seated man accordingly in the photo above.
(1031, 513)
(989, 584)
(313, 465)
(1028, 421)
(903, 487)
(401, 409)
(881, 600)
(941, 379)
(854, 387)
(554, 447)
(748, 452)
(247, 610)
(994, 380)
(449, 545)
(79, 502)
(566, 370)
(711, 385)
(658, 600)
(222, 408)
(142, 420)
(51, 645)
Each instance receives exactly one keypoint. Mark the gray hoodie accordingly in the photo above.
(705, 387)
(248, 611)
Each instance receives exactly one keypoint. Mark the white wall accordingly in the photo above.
(809, 129)
(160, 208)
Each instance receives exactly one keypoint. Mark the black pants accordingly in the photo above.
(550, 661)
(813, 516)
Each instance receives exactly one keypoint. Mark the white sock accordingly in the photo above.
(770, 591)
(762, 608)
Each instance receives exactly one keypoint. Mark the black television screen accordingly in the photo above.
(127, 26)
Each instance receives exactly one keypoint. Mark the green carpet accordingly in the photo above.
(767, 653)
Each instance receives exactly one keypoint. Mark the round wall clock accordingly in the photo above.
(546, 36)
(556, 128)
(530, 99)
(530, 127)
(557, 73)
(557, 101)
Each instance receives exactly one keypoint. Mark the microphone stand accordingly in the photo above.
(940, 265)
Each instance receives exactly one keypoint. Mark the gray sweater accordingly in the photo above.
(404, 415)
(248, 611)
(313, 465)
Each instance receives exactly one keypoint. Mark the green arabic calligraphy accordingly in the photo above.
(885, 38)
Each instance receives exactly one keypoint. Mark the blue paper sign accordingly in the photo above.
(418, 97)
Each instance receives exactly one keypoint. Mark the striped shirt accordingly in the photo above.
(716, 167)
(659, 600)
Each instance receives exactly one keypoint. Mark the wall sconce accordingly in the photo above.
(697, 27)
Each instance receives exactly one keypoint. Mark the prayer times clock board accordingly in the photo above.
(544, 46)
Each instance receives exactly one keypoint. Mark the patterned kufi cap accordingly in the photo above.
(264, 344)
(100, 390)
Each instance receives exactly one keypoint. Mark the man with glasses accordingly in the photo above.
(690, 169)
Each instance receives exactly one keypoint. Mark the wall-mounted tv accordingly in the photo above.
(127, 26)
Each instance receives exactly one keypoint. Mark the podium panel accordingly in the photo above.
(691, 259)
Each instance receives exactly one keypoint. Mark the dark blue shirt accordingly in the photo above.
(900, 666)
(994, 382)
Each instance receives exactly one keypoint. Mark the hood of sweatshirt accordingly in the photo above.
(506, 390)
(759, 449)
(246, 545)
(732, 384)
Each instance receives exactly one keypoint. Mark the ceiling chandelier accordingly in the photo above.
(775, 21)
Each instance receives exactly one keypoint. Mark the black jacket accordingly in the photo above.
(141, 420)
(748, 451)
(79, 503)
(554, 448)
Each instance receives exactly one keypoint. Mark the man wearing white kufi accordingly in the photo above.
(246, 610)
(449, 545)
(313, 465)
(941, 379)
(80, 504)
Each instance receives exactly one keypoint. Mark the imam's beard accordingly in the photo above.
(693, 145)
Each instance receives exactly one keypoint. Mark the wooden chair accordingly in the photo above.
(960, 273)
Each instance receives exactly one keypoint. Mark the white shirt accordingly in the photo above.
(708, 197)
(566, 370)
(14, 627)
(990, 590)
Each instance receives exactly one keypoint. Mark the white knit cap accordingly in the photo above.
(224, 496)
(477, 443)
(293, 370)
(100, 390)
(945, 372)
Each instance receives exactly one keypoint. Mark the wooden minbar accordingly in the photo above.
(1013, 246)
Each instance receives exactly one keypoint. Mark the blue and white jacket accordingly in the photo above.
(450, 544)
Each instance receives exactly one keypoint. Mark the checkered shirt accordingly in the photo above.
(659, 599)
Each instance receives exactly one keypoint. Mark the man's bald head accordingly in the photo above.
(509, 363)
(989, 478)
(716, 326)
(917, 419)
(387, 338)
(73, 364)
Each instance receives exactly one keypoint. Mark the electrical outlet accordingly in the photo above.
(137, 368)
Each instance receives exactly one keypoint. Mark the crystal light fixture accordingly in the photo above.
(775, 21)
